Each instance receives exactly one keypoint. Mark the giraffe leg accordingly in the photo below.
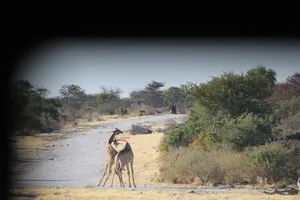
(120, 176)
(113, 176)
(115, 172)
(118, 169)
(131, 165)
(128, 173)
(109, 173)
(119, 179)
(106, 166)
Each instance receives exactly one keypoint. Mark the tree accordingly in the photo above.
(73, 98)
(151, 95)
(109, 95)
(236, 94)
(154, 85)
(125, 102)
(109, 100)
(286, 90)
(173, 95)
(50, 110)
(31, 106)
(294, 82)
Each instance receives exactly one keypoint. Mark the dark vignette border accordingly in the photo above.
(20, 37)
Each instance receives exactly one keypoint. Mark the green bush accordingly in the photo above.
(275, 163)
(121, 111)
(245, 131)
(205, 141)
(183, 135)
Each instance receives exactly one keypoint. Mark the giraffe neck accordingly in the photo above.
(111, 138)
(122, 140)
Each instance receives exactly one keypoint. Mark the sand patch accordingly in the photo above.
(112, 194)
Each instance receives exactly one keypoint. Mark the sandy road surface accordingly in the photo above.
(75, 162)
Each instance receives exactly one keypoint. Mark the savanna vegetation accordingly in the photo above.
(242, 129)
(35, 112)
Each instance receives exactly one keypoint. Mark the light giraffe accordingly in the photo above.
(110, 156)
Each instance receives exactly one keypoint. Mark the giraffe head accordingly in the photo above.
(115, 142)
(117, 131)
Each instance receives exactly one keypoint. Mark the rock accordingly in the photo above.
(140, 129)
(191, 191)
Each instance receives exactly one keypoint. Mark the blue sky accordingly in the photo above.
(131, 65)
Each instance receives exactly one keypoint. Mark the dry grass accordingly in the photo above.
(106, 194)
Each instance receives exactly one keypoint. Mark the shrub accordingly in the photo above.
(121, 111)
(185, 165)
(274, 163)
(245, 131)
(235, 168)
(170, 125)
(206, 141)
(168, 164)
(183, 135)
(163, 147)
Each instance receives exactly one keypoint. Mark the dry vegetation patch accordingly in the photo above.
(95, 193)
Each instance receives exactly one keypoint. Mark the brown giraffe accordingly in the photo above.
(123, 158)
(110, 156)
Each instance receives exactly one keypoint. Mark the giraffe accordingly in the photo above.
(123, 158)
(298, 182)
(116, 143)
(110, 156)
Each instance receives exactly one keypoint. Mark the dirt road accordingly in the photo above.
(77, 161)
